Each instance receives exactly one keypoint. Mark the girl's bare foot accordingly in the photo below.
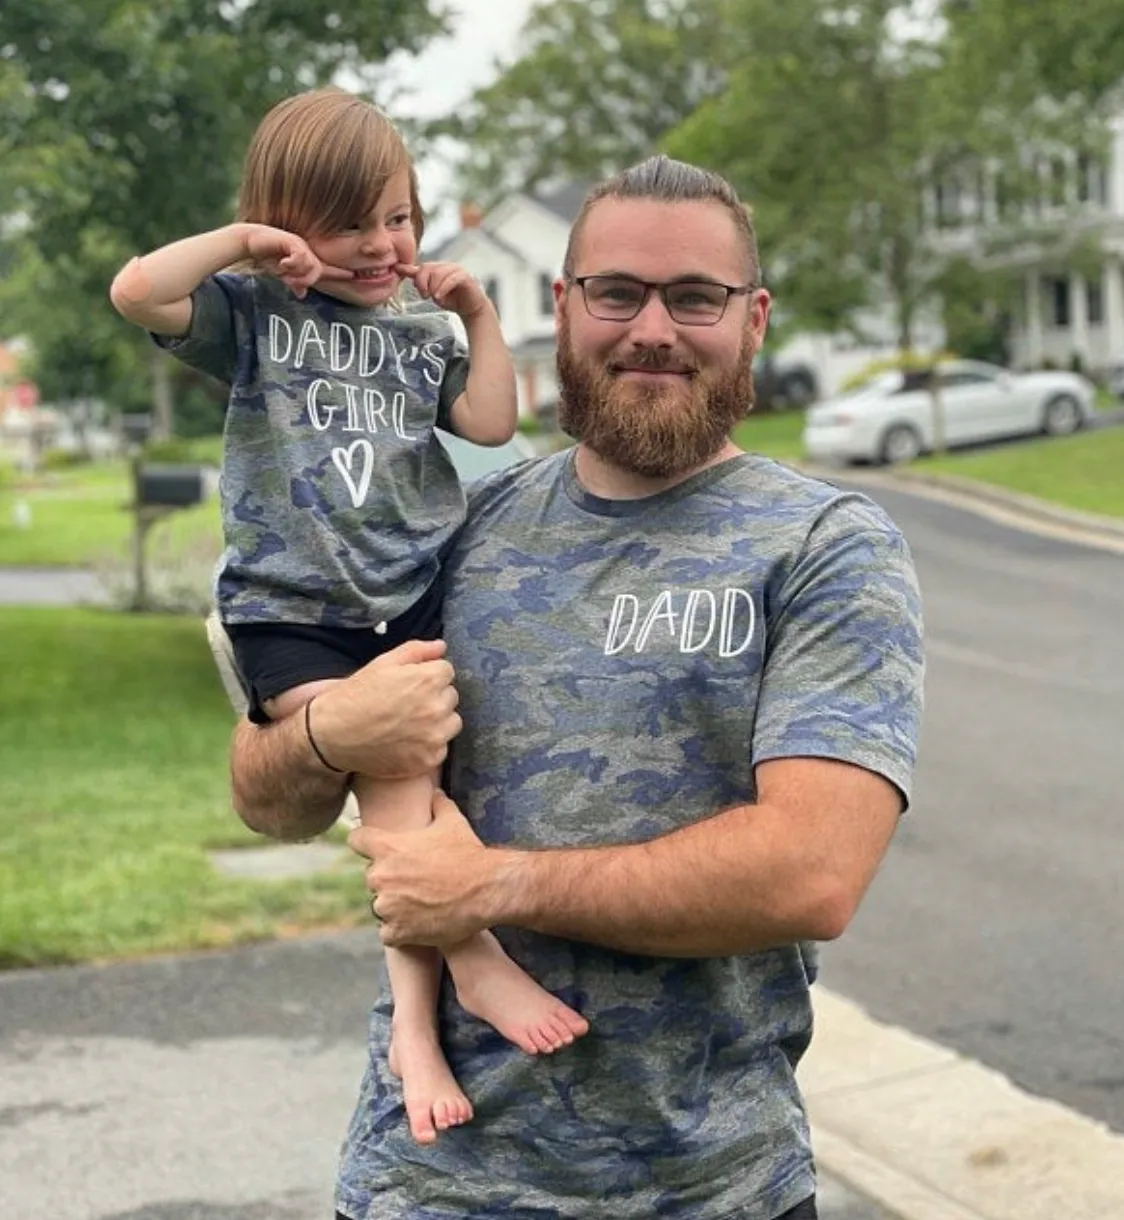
(494, 989)
(434, 1100)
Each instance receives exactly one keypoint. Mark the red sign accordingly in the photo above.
(24, 394)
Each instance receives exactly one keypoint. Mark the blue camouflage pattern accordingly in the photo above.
(622, 668)
(337, 495)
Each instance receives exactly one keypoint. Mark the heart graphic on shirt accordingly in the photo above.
(346, 463)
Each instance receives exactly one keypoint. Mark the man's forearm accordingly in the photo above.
(747, 879)
(279, 787)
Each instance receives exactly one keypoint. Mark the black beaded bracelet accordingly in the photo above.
(312, 740)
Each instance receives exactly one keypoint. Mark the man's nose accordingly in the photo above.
(653, 325)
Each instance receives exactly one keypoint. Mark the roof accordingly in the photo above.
(565, 200)
(488, 235)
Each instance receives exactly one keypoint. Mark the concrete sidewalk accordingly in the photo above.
(210, 1087)
(25, 586)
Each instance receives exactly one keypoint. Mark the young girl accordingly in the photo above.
(338, 499)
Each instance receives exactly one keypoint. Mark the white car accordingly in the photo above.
(1116, 381)
(890, 418)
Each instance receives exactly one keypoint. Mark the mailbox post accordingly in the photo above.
(159, 488)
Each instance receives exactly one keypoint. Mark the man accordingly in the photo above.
(690, 682)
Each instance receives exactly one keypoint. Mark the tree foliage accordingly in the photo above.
(596, 84)
(123, 123)
(832, 123)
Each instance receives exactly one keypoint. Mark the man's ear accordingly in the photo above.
(560, 288)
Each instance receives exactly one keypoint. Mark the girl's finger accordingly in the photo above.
(335, 273)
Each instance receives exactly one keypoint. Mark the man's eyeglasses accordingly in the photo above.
(619, 298)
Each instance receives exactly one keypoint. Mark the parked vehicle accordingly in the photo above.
(780, 383)
(890, 418)
(1115, 384)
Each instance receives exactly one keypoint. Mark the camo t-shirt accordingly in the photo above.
(337, 496)
(623, 666)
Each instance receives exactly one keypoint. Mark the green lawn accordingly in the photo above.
(776, 434)
(79, 515)
(1085, 472)
(113, 784)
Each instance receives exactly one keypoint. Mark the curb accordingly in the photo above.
(1108, 527)
(931, 1135)
(1009, 507)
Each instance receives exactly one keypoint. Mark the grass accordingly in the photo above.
(113, 746)
(80, 514)
(775, 434)
(1084, 472)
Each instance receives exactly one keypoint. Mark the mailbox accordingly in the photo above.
(135, 427)
(160, 485)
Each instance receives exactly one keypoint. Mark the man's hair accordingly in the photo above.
(318, 163)
(663, 180)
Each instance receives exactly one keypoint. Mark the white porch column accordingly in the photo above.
(1113, 289)
(1033, 292)
(1079, 319)
(1114, 169)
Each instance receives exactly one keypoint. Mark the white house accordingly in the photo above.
(516, 251)
(1065, 313)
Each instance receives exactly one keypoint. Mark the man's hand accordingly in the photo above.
(450, 285)
(290, 258)
(434, 886)
(395, 717)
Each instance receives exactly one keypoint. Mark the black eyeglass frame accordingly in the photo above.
(731, 290)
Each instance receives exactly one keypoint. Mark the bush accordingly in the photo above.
(906, 361)
(179, 573)
(185, 451)
(63, 459)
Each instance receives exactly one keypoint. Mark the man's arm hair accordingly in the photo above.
(792, 867)
(279, 787)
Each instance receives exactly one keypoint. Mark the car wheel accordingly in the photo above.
(901, 444)
(1061, 416)
(799, 390)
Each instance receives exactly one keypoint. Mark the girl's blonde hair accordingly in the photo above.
(318, 163)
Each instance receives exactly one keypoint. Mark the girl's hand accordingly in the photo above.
(289, 257)
(451, 286)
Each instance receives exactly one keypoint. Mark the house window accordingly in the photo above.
(948, 204)
(546, 295)
(1094, 302)
(492, 292)
(1059, 296)
(1092, 184)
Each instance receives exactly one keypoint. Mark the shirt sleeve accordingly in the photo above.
(452, 387)
(221, 316)
(844, 662)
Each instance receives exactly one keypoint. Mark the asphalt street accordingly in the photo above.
(210, 1087)
(995, 926)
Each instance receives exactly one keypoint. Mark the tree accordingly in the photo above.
(124, 123)
(834, 123)
(1024, 52)
(596, 85)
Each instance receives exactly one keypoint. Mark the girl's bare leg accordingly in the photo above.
(434, 1100)
(488, 983)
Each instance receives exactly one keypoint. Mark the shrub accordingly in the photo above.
(179, 573)
(63, 459)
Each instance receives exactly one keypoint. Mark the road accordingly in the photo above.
(996, 926)
(210, 1087)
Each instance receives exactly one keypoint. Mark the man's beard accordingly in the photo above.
(657, 431)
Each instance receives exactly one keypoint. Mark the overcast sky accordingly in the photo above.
(435, 82)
